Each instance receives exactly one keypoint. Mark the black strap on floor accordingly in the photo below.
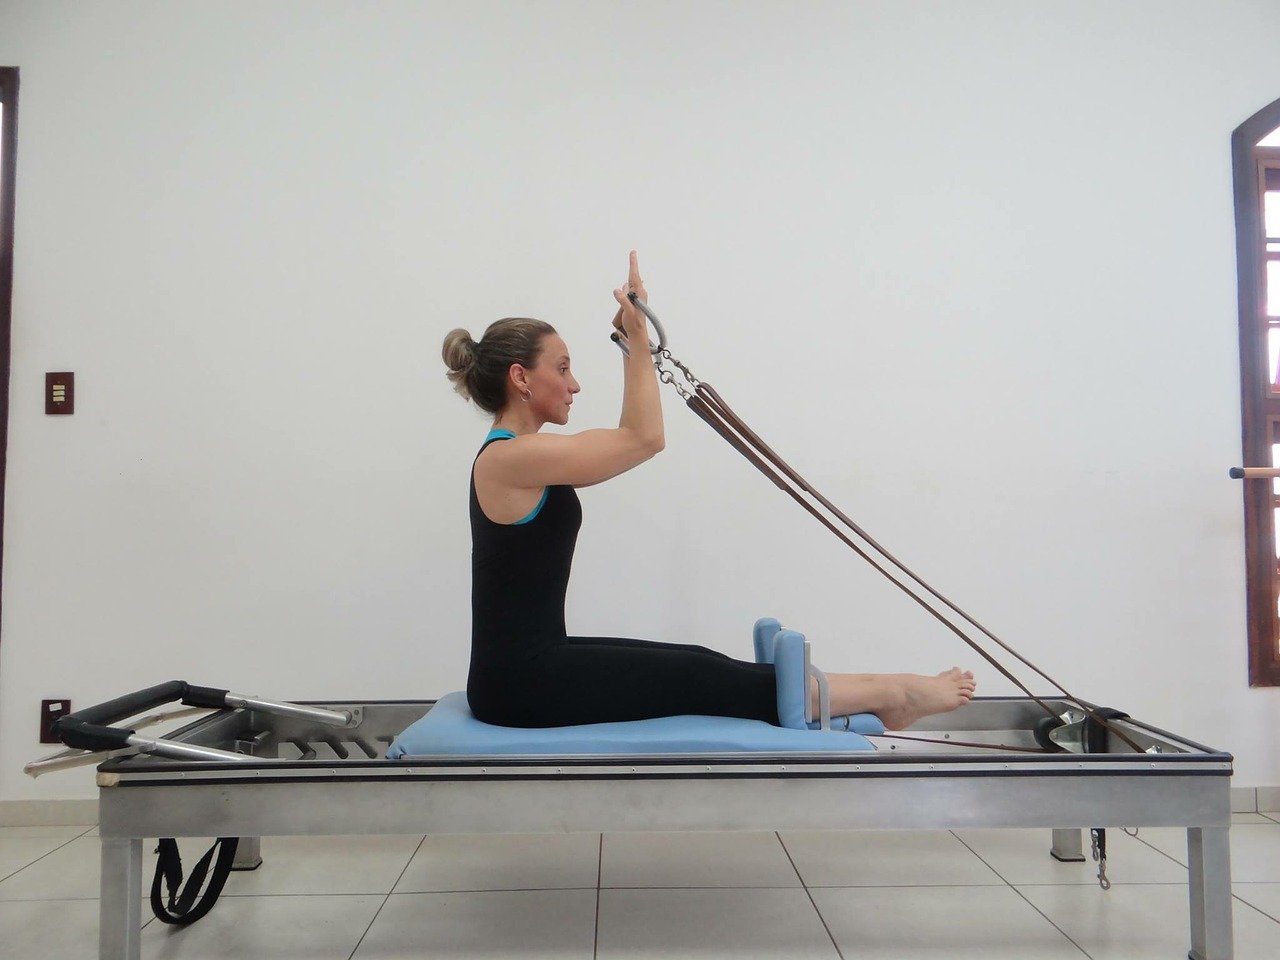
(186, 904)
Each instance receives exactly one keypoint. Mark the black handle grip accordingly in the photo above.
(90, 728)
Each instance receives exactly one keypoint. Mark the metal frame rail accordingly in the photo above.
(340, 784)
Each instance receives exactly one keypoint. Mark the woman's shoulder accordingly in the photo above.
(557, 459)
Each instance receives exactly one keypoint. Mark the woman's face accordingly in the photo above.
(551, 382)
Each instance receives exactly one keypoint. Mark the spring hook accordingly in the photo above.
(1098, 841)
(684, 371)
(666, 376)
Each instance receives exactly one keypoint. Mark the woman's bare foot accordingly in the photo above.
(898, 699)
(925, 696)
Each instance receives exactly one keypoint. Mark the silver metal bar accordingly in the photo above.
(654, 348)
(824, 691)
(66, 759)
(657, 326)
(120, 900)
(1209, 886)
(334, 718)
(245, 805)
(851, 767)
(1068, 846)
(824, 699)
(808, 666)
(176, 750)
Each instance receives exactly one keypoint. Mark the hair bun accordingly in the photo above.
(459, 350)
(459, 355)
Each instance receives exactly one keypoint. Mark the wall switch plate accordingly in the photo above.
(60, 393)
(51, 710)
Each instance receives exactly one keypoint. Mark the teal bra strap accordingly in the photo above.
(535, 510)
(501, 434)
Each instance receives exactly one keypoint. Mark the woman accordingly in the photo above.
(525, 670)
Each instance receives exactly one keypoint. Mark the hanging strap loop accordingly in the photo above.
(186, 904)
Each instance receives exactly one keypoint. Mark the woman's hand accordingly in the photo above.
(629, 321)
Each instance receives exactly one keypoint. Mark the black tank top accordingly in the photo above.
(519, 575)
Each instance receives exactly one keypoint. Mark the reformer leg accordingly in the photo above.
(1209, 885)
(248, 854)
(1068, 846)
(120, 900)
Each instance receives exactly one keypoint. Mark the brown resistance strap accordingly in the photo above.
(711, 407)
(955, 743)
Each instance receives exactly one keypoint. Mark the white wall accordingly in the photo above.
(969, 266)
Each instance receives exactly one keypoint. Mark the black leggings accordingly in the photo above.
(603, 679)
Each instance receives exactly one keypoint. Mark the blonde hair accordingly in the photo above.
(478, 371)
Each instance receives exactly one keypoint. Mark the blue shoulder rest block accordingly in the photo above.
(449, 728)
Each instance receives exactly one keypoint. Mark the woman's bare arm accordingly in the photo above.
(582, 459)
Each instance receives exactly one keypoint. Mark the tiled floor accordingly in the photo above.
(938, 895)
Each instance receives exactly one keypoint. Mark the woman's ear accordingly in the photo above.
(518, 376)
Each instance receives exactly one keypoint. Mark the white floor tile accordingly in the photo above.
(484, 925)
(550, 861)
(711, 925)
(884, 858)
(71, 872)
(1263, 896)
(264, 928)
(317, 865)
(1239, 818)
(1269, 800)
(1255, 850)
(53, 929)
(1022, 857)
(22, 846)
(695, 860)
(1139, 922)
(955, 923)
(291, 866)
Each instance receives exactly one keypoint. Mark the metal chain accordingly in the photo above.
(688, 374)
(666, 376)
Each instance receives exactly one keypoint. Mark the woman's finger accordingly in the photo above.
(634, 282)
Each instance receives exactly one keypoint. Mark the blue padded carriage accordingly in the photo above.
(449, 728)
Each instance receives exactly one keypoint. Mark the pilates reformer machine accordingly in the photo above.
(249, 767)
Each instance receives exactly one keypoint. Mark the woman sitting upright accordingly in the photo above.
(525, 669)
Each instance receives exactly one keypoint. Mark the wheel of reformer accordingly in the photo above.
(1045, 726)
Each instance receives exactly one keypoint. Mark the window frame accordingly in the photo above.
(1259, 402)
(9, 150)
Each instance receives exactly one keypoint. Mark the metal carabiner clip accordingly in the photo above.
(654, 348)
